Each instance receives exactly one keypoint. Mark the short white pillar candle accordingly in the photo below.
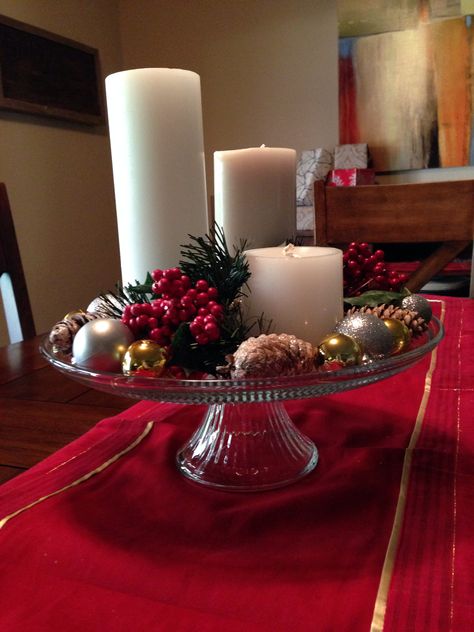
(299, 288)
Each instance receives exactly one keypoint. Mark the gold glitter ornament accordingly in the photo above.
(401, 334)
(337, 351)
(145, 357)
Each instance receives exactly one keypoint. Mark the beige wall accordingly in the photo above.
(268, 67)
(59, 176)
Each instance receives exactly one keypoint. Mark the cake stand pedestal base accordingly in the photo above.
(247, 447)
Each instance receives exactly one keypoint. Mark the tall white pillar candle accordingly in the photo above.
(298, 288)
(255, 195)
(156, 138)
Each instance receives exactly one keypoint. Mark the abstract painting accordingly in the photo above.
(405, 84)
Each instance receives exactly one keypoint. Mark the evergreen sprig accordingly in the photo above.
(209, 258)
(113, 303)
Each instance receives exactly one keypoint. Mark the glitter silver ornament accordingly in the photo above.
(101, 344)
(419, 304)
(369, 331)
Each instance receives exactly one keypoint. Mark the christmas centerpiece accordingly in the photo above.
(186, 335)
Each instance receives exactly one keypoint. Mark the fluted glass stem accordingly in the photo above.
(247, 447)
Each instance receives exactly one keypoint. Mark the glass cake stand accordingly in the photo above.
(246, 440)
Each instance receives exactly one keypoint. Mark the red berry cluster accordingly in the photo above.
(178, 301)
(366, 270)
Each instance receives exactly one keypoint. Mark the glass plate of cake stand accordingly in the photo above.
(246, 440)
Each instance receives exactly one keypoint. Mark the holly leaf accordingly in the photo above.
(372, 298)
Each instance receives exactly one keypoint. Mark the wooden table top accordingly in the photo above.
(41, 410)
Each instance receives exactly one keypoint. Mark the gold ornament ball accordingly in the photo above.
(74, 312)
(337, 351)
(145, 357)
(401, 334)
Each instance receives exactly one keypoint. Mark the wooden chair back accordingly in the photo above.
(399, 213)
(15, 297)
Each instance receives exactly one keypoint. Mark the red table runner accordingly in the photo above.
(106, 535)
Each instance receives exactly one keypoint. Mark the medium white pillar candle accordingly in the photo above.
(156, 138)
(255, 195)
(298, 288)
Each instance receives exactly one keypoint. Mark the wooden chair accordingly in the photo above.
(13, 287)
(440, 212)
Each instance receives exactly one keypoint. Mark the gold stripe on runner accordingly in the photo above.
(456, 462)
(83, 478)
(378, 617)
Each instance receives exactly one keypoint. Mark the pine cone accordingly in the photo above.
(63, 333)
(272, 355)
(415, 323)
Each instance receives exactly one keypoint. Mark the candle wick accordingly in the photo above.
(289, 251)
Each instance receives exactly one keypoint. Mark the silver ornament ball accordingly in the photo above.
(419, 304)
(101, 344)
(369, 331)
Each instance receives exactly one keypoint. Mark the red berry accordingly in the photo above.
(187, 301)
(152, 322)
(185, 281)
(172, 273)
(202, 285)
(155, 334)
(195, 329)
(177, 288)
(212, 330)
(177, 372)
(163, 286)
(202, 298)
(217, 311)
(141, 321)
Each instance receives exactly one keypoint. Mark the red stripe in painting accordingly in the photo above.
(348, 124)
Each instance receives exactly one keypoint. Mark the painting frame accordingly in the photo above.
(48, 75)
